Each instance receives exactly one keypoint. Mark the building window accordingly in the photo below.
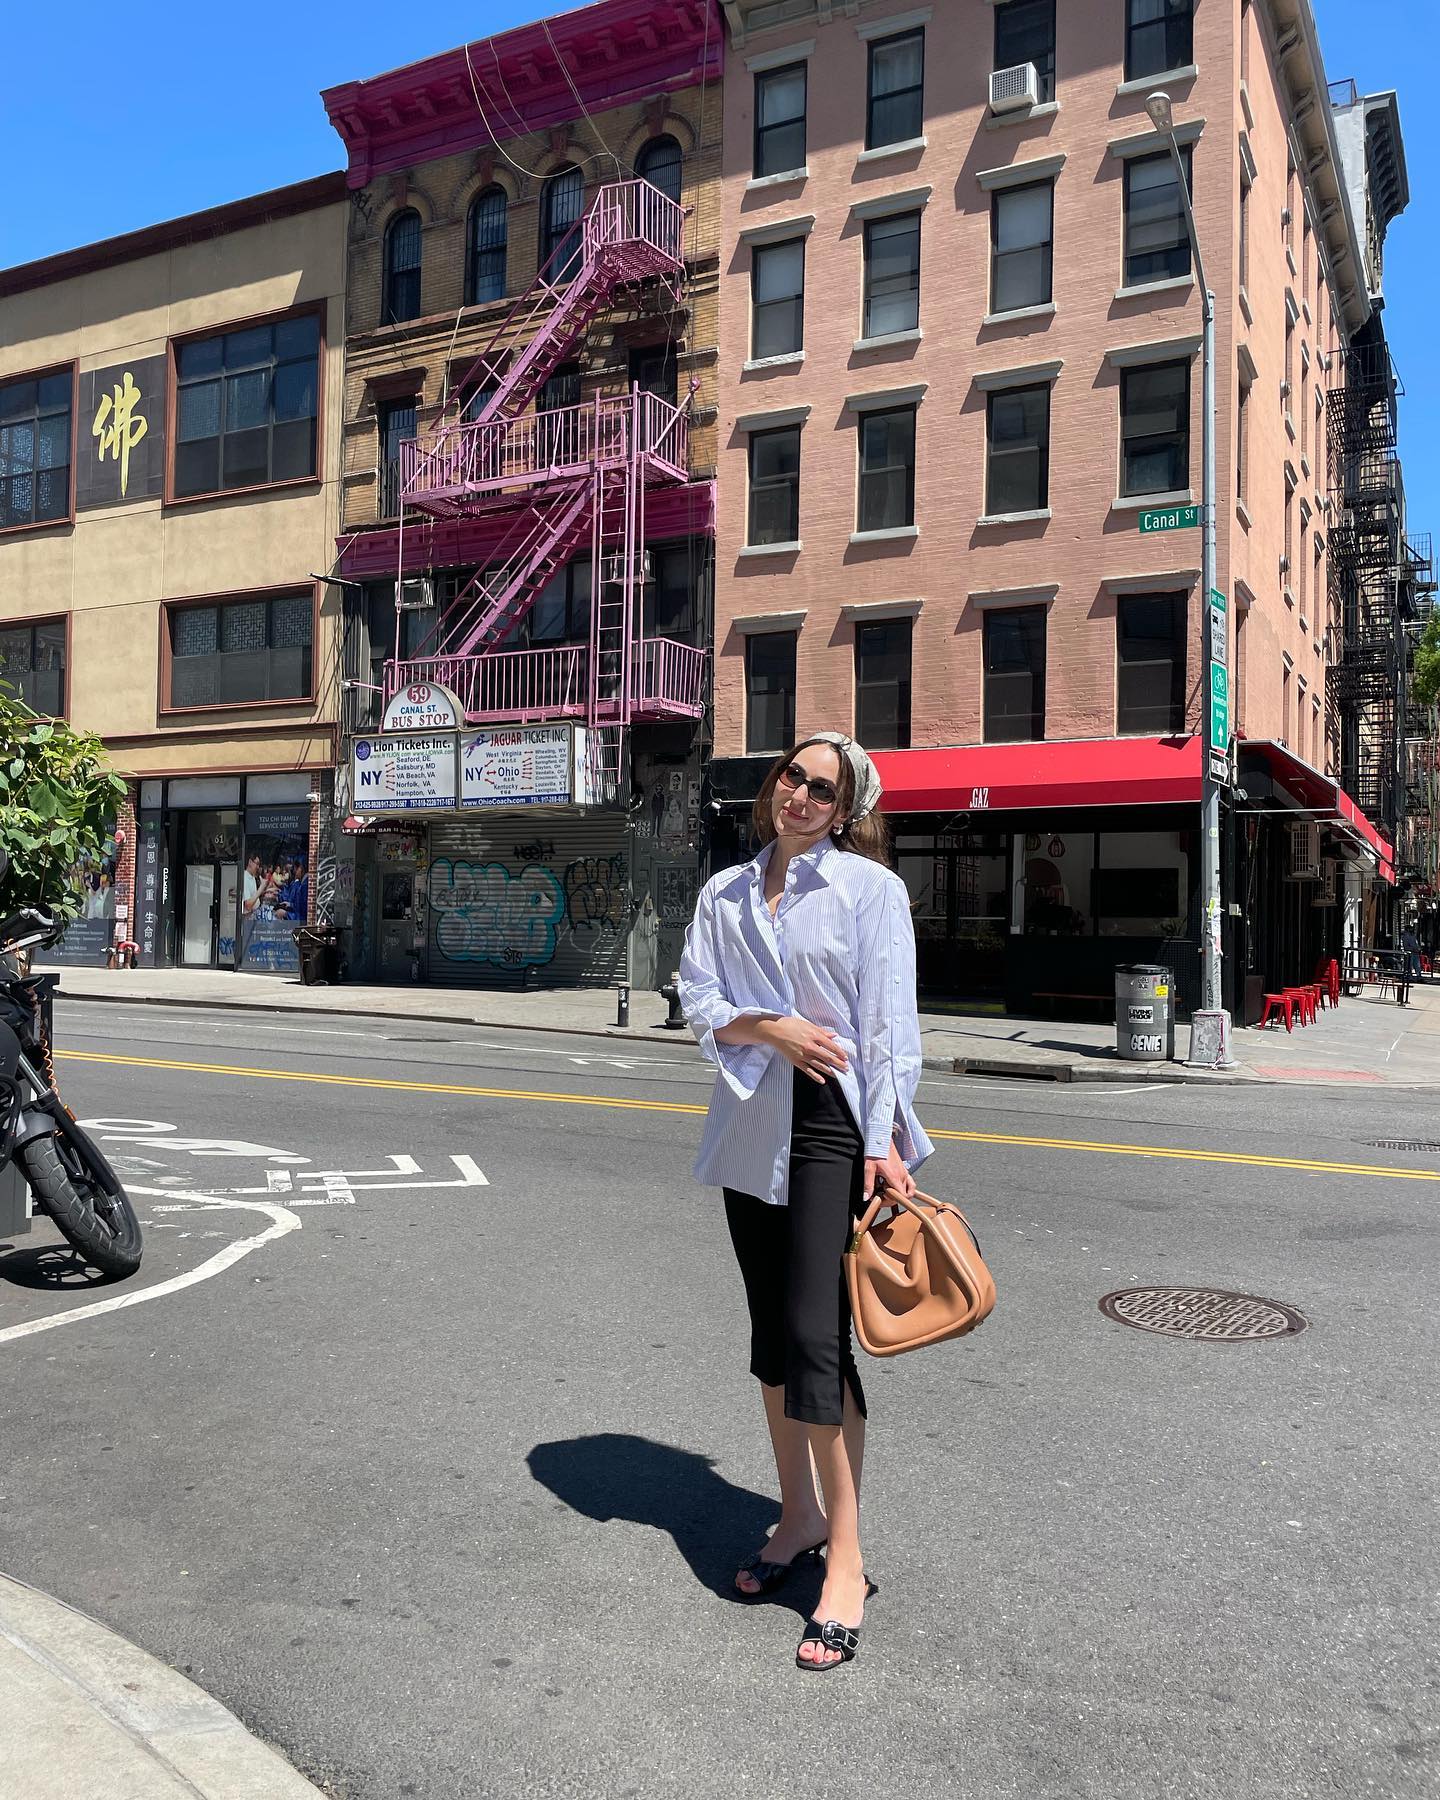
(777, 299)
(247, 407)
(486, 238)
(892, 275)
(780, 120)
(561, 613)
(397, 427)
(1150, 685)
(882, 683)
(1242, 440)
(770, 692)
(1243, 251)
(896, 110)
(566, 441)
(1017, 472)
(1025, 33)
(32, 662)
(660, 164)
(670, 605)
(1015, 675)
(1155, 429)
(1021, 246)
(1157, 244)
(402, 268)
(35, 450)
(774, 486)
(241, 651)
(1159, 36)
(652, 370)
(561, 208)
(887, 470)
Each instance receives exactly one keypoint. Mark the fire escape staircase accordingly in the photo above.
(558, 478)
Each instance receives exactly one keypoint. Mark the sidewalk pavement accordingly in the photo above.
(1368, 1040)
(94, 1718)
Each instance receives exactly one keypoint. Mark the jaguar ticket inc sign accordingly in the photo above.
(520, 765)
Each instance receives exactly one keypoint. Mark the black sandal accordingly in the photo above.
(773, 1575)
(834, 1636)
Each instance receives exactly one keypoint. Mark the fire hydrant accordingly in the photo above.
(675, 1019)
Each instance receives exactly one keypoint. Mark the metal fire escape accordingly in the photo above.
(1367, 597)
(554, 481)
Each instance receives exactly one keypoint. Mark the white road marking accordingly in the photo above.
(336, 1187)
(158, 1135)
(282, 1222)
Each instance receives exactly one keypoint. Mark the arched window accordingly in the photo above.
(485, 248)
(659, 163)
(402, 268)
(563, 203)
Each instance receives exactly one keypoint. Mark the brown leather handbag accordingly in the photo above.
(917, 1277)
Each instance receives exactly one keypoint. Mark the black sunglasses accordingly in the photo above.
(822, 792)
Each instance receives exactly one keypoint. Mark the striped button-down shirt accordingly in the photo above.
(840, 952)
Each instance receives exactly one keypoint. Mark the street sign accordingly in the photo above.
(1219, 630)
(1219, 707)
(1168, 518)
(1219, 767)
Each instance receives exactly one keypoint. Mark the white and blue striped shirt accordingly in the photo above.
(840, 952)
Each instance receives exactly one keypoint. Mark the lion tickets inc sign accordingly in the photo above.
(403, 774)
(423, 706)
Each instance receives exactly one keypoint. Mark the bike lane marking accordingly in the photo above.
(282, 1222)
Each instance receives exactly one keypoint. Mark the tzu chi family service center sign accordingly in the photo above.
(423, 762)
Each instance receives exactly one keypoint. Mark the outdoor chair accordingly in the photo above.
(1278, 1004)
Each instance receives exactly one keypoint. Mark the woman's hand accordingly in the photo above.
(887, 1171)
(813, 1049)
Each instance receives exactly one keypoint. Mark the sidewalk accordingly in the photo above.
(1368, 1040)
(94, 1718)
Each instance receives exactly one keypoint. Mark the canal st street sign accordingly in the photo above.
(1168, 518)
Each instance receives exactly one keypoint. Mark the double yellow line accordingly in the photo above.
(1166, 1152)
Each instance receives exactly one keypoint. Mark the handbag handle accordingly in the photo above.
(886, 1195)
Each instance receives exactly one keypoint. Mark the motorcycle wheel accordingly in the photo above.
(73, 1183)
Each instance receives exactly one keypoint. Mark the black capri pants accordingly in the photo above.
(790, 1260)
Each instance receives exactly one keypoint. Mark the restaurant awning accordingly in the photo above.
(1303, 790)
(1139, 771)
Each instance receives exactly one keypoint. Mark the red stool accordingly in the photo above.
(1278, 1004)
(1300, 998)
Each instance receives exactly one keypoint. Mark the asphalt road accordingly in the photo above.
(431, 1455)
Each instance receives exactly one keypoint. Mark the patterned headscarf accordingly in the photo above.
(867, 782)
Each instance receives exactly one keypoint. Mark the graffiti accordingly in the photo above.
(597, 894)
(326, 876)
(485, 913)
(675, 891)
(535, 851)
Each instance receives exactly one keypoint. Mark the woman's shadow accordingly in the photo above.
(716, 1525)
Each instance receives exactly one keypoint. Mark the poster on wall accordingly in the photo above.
(120, 434)
(98, 906)
(404, 774)
(274, 888)
(518, 765)
(149, 866)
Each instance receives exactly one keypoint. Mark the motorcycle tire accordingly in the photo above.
(77, 1188)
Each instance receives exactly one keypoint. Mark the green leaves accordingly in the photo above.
(60, 797)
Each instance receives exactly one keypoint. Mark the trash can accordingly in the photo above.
(319, 947)
(1145, 1013)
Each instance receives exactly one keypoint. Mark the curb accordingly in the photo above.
(1164, 1073)
(103, 1716)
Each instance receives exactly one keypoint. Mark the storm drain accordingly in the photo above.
(1429, 1146)
(1206, 1313)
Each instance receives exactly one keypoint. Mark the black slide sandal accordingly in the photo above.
(773, 1575)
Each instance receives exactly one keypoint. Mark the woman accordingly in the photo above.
(798, 978)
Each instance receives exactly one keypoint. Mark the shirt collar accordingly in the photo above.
(810, 866)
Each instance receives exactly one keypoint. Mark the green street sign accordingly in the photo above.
(1217, 599)
(1168, 518)
(1219, 707)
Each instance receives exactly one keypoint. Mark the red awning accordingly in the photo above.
(1002, 777)
(1321, 797)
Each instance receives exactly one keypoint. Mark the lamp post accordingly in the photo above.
(1210, 1023)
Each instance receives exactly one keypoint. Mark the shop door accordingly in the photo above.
(958, 898)
(397, 924)
(210, 889)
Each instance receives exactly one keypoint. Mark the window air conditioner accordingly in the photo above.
(417, 593)
(1304, 850)
(1010, 89)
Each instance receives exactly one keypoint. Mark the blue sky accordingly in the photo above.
(206, 104)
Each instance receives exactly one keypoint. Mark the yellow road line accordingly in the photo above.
(1163, 1152)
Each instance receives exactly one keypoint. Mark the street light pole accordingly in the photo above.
(1210, 1023)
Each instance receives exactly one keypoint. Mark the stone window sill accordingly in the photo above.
(1014, 518)
(1022, 116)
(782, 179)
(892, 534)
(1145, 84)
(887, 338)
(1018, 314)
(788, 361)
(1143, 502)
(904, 148)
(1140, 290)
(790, 548)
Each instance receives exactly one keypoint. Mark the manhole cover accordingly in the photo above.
(1206, 1313)
(1430, 1145)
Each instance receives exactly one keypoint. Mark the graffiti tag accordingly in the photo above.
(486, 913)
(597, 896)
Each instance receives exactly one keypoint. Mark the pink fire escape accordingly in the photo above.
(558, 481)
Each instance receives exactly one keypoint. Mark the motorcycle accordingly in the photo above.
(68, 1176)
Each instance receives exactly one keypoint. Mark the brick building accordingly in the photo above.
(169, 458)
(962, 334)
(529, 452)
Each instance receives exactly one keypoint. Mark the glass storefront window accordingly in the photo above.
(959, 903)
(1142, 884)
(1055, 869)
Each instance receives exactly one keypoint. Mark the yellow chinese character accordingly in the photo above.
(125, 429)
